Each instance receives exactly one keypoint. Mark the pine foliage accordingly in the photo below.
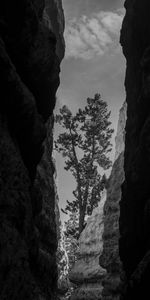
(85, 144)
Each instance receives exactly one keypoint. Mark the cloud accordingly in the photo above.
(111, 21)
(88, 37)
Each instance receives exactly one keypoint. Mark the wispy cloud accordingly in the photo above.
(111, 21)
(88, 37)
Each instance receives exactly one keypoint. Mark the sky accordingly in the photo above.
(93, 63)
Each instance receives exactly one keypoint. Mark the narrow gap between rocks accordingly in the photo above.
(92, 73)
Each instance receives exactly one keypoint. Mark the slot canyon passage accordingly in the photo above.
(114, 260)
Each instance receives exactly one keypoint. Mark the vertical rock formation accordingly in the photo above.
(45, 218)
(62, 257)
(120, 135)
(110, 256)
(63, 265)
(135, 202)
(29, 74)
(87, 273)
(53, 14)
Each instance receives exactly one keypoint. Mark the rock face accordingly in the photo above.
(63, 265)
(45, 220)
(135, 202)
(120, 135)
(29, 74)
(61, 255)
(110, 256)
(87, 273)
(56, 23)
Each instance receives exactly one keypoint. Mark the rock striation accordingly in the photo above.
(29, 74)
(110, 257)
(135, 201)
(120, 135)
(61, 255)
(87, 273)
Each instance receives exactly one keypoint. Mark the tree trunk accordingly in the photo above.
(82, 209)
(81, 220)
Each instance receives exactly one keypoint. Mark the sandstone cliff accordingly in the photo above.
(87, 273)
(61, 255)
(135, 202)
(120, 135)
(110, 256)
(30, 55)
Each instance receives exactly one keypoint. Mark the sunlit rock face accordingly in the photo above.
(120, 135)
(63, 265)
(110, 256)
(135, 202)
(29, 74)
(61, 255)
(87, 273)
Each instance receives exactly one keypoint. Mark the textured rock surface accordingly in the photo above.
(120, 135)
(29, 75)
(135, 202)
(62, 257)
(87, 273)
(56, 23)
(90, 291)
(110, 256)
(45, 219)
(63, 266)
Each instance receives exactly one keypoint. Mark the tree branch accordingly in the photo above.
(77, 170)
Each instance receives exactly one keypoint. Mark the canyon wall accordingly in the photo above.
(109, 259)
(135, 201)
(31, 48)
(61, 254)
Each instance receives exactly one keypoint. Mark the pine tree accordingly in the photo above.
(85, 145)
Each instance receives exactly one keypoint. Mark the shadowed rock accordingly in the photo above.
(29, 75)
(134, 205)
(110, 257)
